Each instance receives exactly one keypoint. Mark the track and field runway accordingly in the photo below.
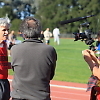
(66, 90)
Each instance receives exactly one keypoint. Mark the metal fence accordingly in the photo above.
(70, 35)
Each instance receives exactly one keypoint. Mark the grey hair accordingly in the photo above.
(30, 27)
(5, 22)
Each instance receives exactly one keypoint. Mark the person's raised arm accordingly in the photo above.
(92, 61)
(87, 57)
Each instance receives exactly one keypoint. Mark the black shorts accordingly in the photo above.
(10, 45)
(4, 89)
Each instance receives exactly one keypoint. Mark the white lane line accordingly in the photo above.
(63, 98)
(69, 87)
(10, 80)
(60, 86)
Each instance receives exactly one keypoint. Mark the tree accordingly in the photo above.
(15, 25)
(21, 8)
(17, 9)
(51, 13)
(6, 10)
(91, 7)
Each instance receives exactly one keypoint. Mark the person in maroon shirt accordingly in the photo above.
(4, 64)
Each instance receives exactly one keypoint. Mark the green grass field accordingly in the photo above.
(71, 66)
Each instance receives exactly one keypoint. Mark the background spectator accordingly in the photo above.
(47, 35)
(56, 34)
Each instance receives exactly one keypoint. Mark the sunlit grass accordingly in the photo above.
(71, 66)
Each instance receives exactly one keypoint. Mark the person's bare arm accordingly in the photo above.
(94, 58)
(92, 61)
(88, 59)
(96, 72)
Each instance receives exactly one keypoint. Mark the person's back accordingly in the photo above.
(34, 67)
(39, 69)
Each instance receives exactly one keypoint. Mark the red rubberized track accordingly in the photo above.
(67, 90)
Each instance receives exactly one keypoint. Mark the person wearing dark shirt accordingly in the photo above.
(33, 63)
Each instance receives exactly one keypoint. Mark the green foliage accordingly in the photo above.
(51, 13)
(27, 7)
(15, 24)
(6, 10)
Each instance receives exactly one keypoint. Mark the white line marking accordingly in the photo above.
(10, 80)
(69, 87)
(63, 98)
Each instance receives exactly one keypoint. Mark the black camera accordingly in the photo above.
(86, 24)
(85, 36)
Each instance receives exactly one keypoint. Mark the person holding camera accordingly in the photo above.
(33, 63)
(94, 81)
